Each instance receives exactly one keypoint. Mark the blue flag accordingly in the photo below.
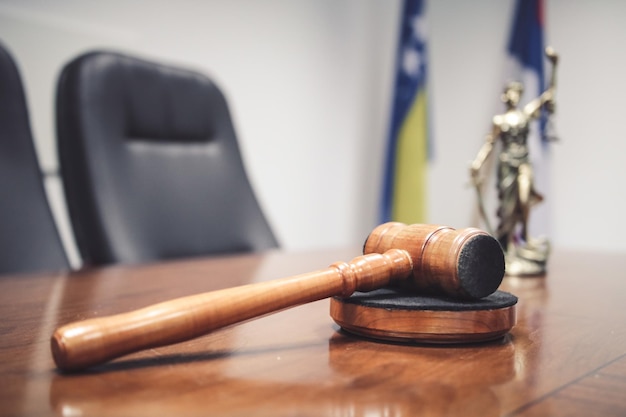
(404, 192)
(526, 46)
(526, 52)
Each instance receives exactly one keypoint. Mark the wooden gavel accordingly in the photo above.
(466, 263)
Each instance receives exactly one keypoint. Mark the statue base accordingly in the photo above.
(528, 259)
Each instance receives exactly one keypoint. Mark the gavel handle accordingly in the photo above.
(90, 342)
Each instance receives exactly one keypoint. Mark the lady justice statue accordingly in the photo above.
(514, 181)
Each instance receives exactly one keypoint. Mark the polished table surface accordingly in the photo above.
(566, 356)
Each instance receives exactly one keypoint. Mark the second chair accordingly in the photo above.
(150, 163)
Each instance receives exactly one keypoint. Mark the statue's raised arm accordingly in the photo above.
(546, 99)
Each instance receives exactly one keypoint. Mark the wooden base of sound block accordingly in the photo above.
(398, 315)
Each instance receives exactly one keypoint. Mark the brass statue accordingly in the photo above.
(516, 192)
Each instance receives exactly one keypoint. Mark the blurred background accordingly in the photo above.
(309, 84)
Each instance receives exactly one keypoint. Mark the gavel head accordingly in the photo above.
(464, 263)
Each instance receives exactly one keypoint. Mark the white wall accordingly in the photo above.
(309, 86)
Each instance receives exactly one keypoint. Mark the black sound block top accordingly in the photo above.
(402, 299)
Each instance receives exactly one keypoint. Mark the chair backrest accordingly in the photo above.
(29, 240)
(150, 163)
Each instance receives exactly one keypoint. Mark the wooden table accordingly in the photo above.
(566, 356)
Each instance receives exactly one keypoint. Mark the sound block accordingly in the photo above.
(399, 315)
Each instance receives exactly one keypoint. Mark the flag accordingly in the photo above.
(526, 57)
(404, 190)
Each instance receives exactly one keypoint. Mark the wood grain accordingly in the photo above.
(565, 356)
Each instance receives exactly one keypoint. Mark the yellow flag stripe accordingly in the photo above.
(409, 191)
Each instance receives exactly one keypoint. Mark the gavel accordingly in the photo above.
(463, 264)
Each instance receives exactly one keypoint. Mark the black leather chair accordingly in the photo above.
(29, 240)
(150, 163)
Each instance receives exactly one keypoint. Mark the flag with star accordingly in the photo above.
(404, 192)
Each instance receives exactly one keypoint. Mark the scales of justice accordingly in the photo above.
(525, 255)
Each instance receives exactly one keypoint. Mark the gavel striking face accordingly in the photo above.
(465, 264)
